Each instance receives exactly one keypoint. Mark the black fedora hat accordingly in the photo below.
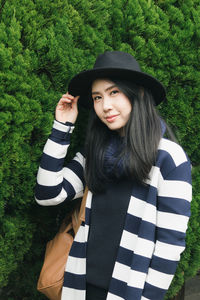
(114, 64)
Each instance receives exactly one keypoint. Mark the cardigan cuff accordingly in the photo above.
(66, 123)
(62, 131)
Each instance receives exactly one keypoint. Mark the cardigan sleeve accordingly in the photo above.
(56, 182)
(174, 197)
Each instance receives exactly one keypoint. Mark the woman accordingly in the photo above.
(139, 183)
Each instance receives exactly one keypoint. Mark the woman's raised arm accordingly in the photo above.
(56, 182)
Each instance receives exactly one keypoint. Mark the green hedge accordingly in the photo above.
(43, 43)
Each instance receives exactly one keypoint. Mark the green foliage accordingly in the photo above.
(43, 43)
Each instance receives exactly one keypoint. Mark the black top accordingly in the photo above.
(107, 221)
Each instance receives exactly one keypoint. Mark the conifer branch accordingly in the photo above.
(2, 6)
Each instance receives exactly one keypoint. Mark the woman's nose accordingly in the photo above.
(107, 103)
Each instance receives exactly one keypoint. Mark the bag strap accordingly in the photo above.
(81, 216)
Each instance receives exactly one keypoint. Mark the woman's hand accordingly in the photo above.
(66, 109)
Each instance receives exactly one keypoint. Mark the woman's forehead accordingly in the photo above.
(102, 83)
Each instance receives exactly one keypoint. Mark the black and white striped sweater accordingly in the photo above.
(153, 236)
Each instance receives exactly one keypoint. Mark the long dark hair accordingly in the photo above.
(142, 134)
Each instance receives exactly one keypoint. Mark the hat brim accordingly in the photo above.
(80, 84)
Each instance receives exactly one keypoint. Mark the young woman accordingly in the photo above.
(138, 204)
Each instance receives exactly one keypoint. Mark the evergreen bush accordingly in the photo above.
(43, 43)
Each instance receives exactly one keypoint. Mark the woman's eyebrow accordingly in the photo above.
(107, 89)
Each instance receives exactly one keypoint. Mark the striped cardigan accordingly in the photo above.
(153, 236)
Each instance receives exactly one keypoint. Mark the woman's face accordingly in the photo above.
(111, 105)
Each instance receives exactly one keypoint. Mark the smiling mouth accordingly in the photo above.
(111, 119)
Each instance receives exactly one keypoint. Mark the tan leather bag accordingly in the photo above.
(51, 278)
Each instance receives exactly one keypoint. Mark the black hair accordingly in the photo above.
(142, 134)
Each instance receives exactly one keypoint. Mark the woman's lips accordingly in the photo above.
(111, 119)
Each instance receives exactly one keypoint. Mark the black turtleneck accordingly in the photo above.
(108, 213)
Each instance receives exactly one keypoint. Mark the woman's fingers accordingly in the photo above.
(64, 101)
(76, 99)
(67, 98)
(66, 109)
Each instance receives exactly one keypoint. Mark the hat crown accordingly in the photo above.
(118, 60)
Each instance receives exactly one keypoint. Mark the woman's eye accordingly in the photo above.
(114, 92)
(96, 98)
